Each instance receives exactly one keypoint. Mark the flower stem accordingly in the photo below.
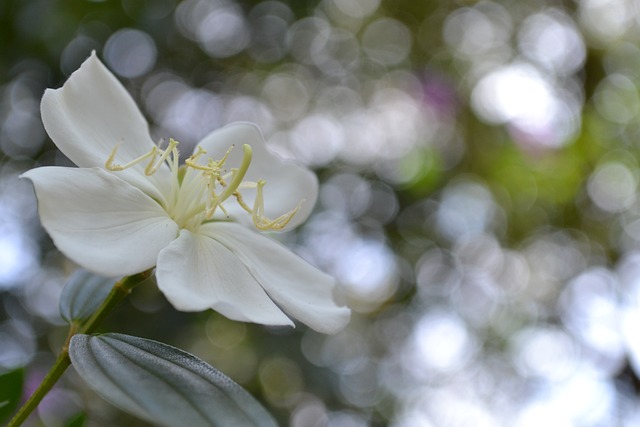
(120, 290)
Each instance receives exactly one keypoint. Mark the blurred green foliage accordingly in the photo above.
(10, 392)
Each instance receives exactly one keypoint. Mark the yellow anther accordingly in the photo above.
(242, 203)
(192, 160)
(148, 170)
(152, 167)
(212, 166)
(262, 222)
(212, 198)
(223, 160)
(171, 149)
(110, 166)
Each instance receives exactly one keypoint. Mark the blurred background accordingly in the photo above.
(479, 201)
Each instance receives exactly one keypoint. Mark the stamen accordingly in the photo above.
(224, 211)
(110, 166)
(191, 161)
(171, 149)
(212, 198)
(196, 197)
(262, 222)
(223, 160)
(242, 203)
(212, 166)
(152, 167)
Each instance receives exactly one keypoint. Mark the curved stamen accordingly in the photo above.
(153, 166)
(113, 167)
(260, 220)
(191, 160)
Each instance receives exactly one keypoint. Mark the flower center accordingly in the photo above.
(199, 189)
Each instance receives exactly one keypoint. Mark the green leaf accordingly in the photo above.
(82, 295)
(10, 392)
(163, 384)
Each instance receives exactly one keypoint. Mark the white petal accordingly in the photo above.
(91, 114)
(300, 289)
(196, 272)
(287, 182)
(99, 221)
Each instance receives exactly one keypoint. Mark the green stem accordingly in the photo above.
(120, 290)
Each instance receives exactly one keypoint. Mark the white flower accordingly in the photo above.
(131, 206)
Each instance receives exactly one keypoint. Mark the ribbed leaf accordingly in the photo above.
(163, 384)
(82, 295)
